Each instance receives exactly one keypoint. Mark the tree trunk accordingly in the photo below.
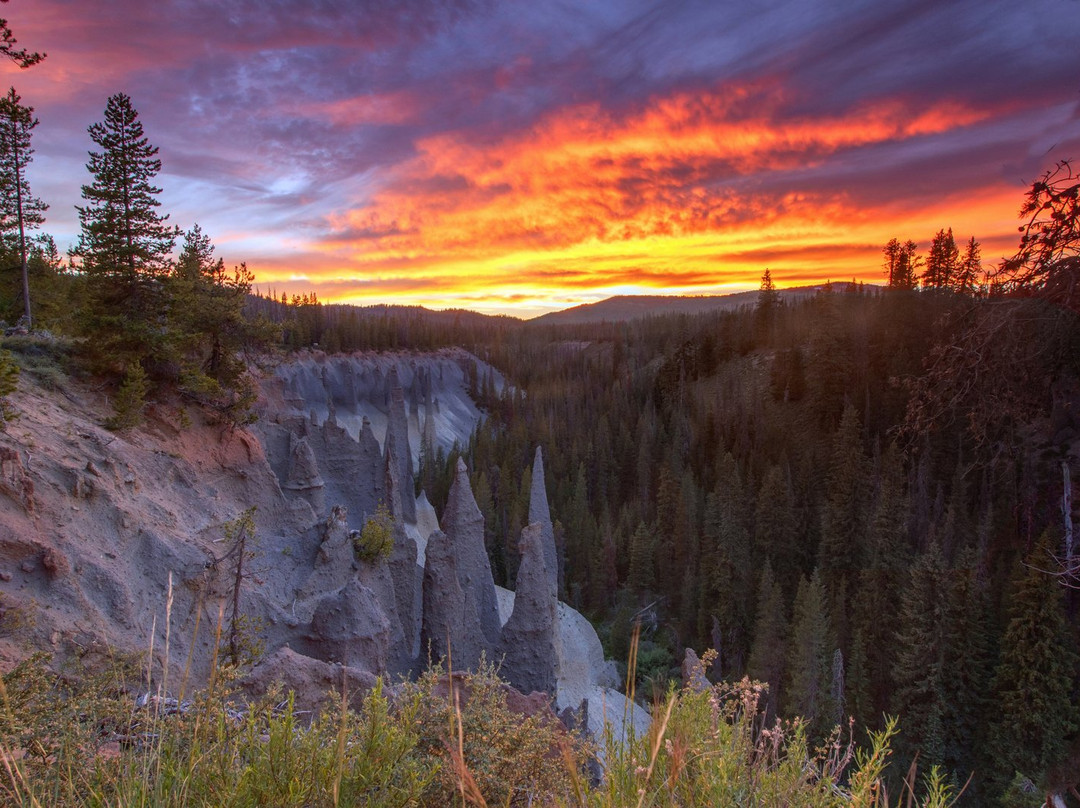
(22, 236)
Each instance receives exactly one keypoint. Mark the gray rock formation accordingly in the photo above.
(539, 513)
(355, 386)
(377, 577)
(369, 456)
(407, 576)
(397, 443)
(464, 524)
(350, 473)
(450, 629)
(693, 672)
(303, 475)
(333, 567)
(350, 627)
(313, 683)
(528, 638)
(393, 499)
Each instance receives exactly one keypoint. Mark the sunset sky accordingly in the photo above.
(524, 156)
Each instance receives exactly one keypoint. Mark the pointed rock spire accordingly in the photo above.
(403, 568)
(372, 466)
(397, 440)
(378, 577)
(541, 514)
(303, 468)
(464, 524)
(427, 439)
(528, 638)
(450, 628)
(303, 476)
(333, 566)
(393, 484)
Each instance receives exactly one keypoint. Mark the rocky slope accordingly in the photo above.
(128, 541)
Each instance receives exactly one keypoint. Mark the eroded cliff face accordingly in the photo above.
(97, 528)
(352, 387)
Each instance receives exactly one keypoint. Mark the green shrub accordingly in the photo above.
(477, 743)
(376, 541)
(130, 398)
(9, 381)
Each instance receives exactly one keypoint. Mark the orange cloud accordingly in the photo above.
(677, 182)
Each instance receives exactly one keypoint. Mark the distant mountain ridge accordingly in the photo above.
(622, 308)
(616, 309)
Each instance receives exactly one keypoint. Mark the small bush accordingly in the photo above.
(16, 619)
(130, 399)
(376, 541)
(9, 381)
(477, 743)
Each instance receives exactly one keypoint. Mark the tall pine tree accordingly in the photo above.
(920, 659)
(207, 326)
(766, 662)
(966, 280)
(1035, 709)
(20, 211)
(840, 551)
(942, 262)
(125, 243)
(809, 689)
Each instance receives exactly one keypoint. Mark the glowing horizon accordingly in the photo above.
(519, 159)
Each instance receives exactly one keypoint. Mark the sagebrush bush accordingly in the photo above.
(466, 727)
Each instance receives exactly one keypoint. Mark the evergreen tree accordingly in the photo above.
(830, 366)
(809, 691)
(859, 699)
(207, 326)
(967, 665)
(9, 382)
(775, 528)
(20, 211)
(767, 652)
(966, 281)
(920, 659)
(942, 262)
(902, 264)
(768, 300)
(727, 586)
(124, 244)
(57, 292)
(874, 621)
(1035, 712)
(130, 399)
(641, 578)
(840, 549)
